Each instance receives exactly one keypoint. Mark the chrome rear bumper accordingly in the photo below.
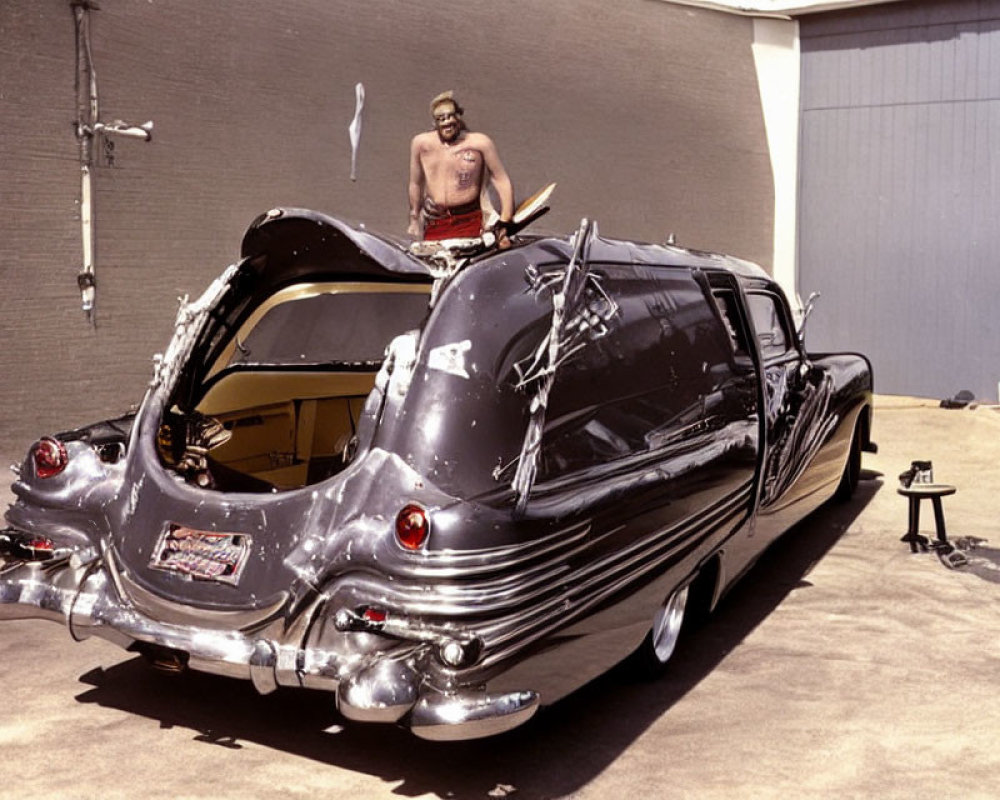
(389, 689)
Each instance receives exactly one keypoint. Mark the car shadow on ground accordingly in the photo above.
(559, 751)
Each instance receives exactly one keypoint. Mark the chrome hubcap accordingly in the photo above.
(667, 625)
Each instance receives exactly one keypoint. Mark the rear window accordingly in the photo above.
(330, 329)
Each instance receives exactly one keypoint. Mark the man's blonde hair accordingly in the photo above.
(447, 97)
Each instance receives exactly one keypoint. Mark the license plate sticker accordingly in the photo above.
(202, 555)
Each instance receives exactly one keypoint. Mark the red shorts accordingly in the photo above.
(454, 226)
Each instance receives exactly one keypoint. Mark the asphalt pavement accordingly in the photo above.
(841, 666)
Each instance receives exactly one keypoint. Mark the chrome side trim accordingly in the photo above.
(508, 614)
(467, 563)
(457, 594)
(501, 596)
(580, 596)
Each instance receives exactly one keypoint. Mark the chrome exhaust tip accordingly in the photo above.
(162, 659)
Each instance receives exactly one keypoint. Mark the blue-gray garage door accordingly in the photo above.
(899, 197)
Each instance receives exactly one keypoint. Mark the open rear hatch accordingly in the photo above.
(239, 444)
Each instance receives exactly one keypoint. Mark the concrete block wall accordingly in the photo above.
(646, 114)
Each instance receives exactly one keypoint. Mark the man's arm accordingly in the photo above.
(500, 179)
(415, 190)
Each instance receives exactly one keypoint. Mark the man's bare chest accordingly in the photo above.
(453, 160)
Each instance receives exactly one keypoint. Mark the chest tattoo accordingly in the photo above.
(467, 172)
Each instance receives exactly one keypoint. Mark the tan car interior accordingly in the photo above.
(285, 423)
(289, 428)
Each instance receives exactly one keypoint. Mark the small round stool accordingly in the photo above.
(917, 492)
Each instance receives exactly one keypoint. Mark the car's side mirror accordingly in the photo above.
(810, 373)
(810, 304)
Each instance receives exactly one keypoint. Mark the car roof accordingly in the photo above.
(285, 234)
(623, 251)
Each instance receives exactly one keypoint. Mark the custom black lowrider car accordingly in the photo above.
(447, 487)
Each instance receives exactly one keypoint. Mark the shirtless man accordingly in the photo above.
(448, 167)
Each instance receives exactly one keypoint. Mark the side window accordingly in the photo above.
(770, 324)
(644, 383)
(725, 301)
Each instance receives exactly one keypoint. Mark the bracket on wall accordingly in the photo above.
(88, 126)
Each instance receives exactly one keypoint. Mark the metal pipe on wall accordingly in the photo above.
(87, 115)
(88, 126)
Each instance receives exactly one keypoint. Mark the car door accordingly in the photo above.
(796, 397)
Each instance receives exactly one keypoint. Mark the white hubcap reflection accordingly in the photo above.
(667, 625)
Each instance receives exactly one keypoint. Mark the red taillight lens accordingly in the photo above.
(412, 526)
(50, 457)
(39, 547)
(26, 546)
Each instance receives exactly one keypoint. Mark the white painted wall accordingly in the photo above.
(776, 55)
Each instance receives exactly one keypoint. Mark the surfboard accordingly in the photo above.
(533, 203)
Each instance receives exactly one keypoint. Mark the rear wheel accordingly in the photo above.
(660, 642)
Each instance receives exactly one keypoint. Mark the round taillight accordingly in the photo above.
(374, 615)
(39, 548)
(50, 457)
(412, 526)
